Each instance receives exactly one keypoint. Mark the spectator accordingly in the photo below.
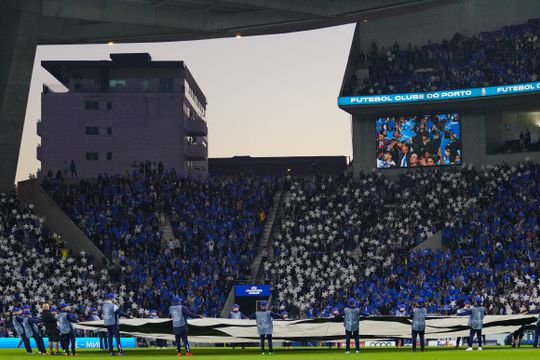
(505, 56)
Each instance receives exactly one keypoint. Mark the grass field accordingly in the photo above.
(525, 353)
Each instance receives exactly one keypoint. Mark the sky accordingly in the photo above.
(271, 95)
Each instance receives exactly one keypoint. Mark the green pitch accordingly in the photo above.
(525, 353)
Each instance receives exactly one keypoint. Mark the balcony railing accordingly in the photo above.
(196, 151)
(195, 127)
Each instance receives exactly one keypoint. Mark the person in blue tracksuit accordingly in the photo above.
(67, 331)
(351, 322)
(419, 314)
(236, 313)
(32, 331)
(178, 313)
(93, 316)
(17, 321)
(265, 327)
(111, 319)
(464, 311)
(476, 322)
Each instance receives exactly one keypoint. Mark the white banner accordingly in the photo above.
(214, 330)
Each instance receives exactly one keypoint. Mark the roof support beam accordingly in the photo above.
(255, 18)
(306, 7)
(123, 12)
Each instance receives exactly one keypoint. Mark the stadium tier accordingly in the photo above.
(343, 245)
(506, 56)
(338, 237)
(216, 225)
(37, 268)
(341, 237)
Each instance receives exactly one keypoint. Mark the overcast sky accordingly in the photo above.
(272, 95)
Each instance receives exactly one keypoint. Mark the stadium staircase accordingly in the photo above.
(31, 192)
(166, 230)
(264, 249)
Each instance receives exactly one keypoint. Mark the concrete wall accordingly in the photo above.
(144, 127)
(434, 243)
(18, 36)
(467, 17)
(31, 192)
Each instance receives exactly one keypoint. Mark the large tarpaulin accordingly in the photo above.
(214, 330)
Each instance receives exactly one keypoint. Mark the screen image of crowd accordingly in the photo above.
(418, 140)
(505, 56)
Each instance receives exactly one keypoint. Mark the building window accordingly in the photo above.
(91, 105)
(117, 84)
(92, 130)
(145, 85)
(109, 105)
(109, 156)
(92, 156)
(166, 85)
(109, 130)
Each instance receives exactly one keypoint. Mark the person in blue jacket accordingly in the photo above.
(351, 322)
(476, 322)
(111, 319)
(67, 331)
(463, 312)
(265, 327)
(236, 313)
(178, 313)
(17, 321)
(419, 314)
(93, 316)
(31, 330)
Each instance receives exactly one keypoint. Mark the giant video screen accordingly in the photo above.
(408, 141)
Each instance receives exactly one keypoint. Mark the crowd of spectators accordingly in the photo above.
(338, 237)
(217, 224)
(341, 237)
(506, 56)
(37, 268)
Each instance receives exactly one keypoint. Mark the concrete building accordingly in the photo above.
(114, 112)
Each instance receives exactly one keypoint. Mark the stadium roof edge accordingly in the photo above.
(124, 21)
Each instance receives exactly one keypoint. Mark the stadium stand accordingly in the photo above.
(506, 56)
(216, 225)
(36, 268)
(340, 238)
